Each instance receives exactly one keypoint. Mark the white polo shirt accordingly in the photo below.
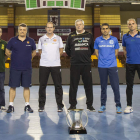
(50, 50)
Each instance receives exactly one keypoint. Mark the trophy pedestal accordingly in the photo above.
(77, 131)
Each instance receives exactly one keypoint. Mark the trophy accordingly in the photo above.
(74, 121)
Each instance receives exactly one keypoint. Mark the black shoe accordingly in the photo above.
(90, 108)
(28, 109)
(41, 109)
(10, 109)
(71, 107)
(60, 109)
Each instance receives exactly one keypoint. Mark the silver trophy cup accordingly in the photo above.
(74, 121)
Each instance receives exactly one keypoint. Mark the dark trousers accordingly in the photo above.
(130, 73)
(75, 72)
(2, 92)
(114, 81)
(43, 79)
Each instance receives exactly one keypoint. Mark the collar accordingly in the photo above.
(80, 33)
(136, 34)
(18, 38)
(106, 39)
(48, 37)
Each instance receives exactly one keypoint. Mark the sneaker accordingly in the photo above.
(2, 108)
(102, 109)
(60, 109)
(10, 109)
(128, 110)
(71, 107)
(28, 109)
(41, 109)
(90, 108)
(118, 110)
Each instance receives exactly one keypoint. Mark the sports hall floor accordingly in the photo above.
(51, 125)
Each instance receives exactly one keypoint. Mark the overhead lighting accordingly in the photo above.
(97, 5)
(135, 3)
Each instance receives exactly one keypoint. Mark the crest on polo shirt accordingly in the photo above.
(111, 42)
(28, 43)
(138, 36)
(54, 40)
(2, 46)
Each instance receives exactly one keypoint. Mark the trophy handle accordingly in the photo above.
(67, 119)
(87, 118)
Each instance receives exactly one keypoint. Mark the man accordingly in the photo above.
(2, 71)
(106, 49)
(131, 47)
(21, 49)
(50, 47)
(79, 47)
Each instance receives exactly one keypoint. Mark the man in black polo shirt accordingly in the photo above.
(2, 71)
(21, 49)
(79, 47)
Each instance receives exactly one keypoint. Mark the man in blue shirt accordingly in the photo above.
(131, 47)
(21, 49)
(106, 49)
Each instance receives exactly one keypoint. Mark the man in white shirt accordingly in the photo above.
(50, 48)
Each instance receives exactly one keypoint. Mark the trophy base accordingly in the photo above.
(77, 131)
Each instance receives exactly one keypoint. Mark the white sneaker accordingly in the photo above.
(128, 110)
(2, 108)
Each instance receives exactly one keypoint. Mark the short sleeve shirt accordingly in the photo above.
(21, 53)
(50, 56)
(132, 45)
(106, 49)
(2, 55)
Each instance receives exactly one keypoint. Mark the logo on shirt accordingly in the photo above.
(106, 46)
(55, 40)
(81, 44)
(2, 47)
(28, 43)
(81, 48)
(80, 40)
(138, 36)
(45, 44)
(111, 42)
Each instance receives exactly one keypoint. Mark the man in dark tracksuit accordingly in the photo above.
(79, 47)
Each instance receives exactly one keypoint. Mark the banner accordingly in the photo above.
(61, 32)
